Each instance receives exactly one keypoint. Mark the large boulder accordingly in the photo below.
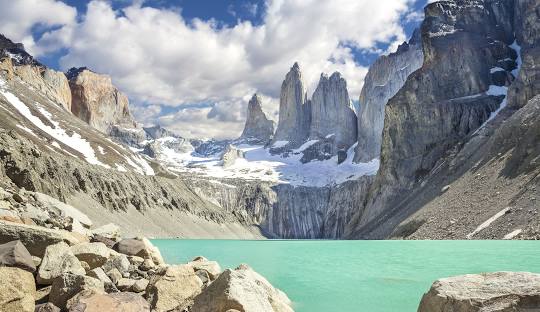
(95, 254)
(68, 285)
(494, 292)
(34, 238)
(175, 288)
(61, 209)
(211, 267)
(58, 259)
(17, 290)
(140, 247)
(14, 254)
(91, 301)
(119, 262)
(242, 289)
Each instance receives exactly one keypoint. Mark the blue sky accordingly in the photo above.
(192, 65)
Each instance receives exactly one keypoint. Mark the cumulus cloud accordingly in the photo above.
(158, 57)
(21, 16)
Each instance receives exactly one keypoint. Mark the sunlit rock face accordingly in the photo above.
(294, 109)
(258, 127)
(331, 112)
(97, 101)
(384, 79)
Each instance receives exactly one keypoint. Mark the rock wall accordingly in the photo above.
(443, 102)
(294, 109)
(331, 112)
(257, 126)
(97, 101)
(383, 80)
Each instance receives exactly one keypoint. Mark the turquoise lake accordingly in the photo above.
(358, 276)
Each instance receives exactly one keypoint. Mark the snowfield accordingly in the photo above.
(259, 164)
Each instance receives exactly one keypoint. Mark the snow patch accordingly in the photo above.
(279, 144)
(512, 234)
(75, 141)
(515, 46)
(488, 222)
(304, 146)
(495, 69)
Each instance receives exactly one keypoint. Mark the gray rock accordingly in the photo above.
(331, 112)
(230, 155)
(34, 238)
(131, 247)
(201, 263)
(497, 292)
(68, 285)
(110, 231)
(242, 289)
(174, 289)
(95, 254)
(118, 261)
(99, 274)
(92, 301)
(383, 80)
(140, 285)
(258, 126)
(125, 284)
(14, 254)
(115, 275)
(294, 109)
(58, 259)
(47, 307)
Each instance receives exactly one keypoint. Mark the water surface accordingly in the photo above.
(358, 276)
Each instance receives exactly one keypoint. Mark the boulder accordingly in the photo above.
(68, 285)
(14, 254)
(114, 275)
(176, 288)
(242, 289)
(58, 259)
(147, 264)
(17, 290)
(95, 254)
(47, 307)
(125, 284)
(140, 285)
(201, 263)
(91, 301)
(117, 261)
(230, 155)
(62, 209)
(140, 247)
(42, 294)
(494, 292)
(110, 231)
(107, 282)
(34, 238)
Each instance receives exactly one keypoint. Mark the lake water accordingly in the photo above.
(358, 276)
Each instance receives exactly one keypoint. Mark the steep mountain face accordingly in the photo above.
(257, 127)
(294, 109)
(471, 57)
(97, 101)
(383, 80)
(158, 132)
(331, 112)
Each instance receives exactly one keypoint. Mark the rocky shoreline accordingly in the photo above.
(52, 259)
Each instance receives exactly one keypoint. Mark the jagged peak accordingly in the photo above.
(73, 72)
(295, 67)
(16, 52)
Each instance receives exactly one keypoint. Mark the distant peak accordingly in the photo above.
(296, 66)
(73, 72)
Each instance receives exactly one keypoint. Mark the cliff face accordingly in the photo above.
(331, 112)
(294, 109)
(383, 80)
(257, 127)
(471, 57)
(97, 101)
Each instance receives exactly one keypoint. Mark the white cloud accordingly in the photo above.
(18, 17)
(156, 56)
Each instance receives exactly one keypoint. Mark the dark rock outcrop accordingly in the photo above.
(257, 127)
(384, 79)
(442, 103)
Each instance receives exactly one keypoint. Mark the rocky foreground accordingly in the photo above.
(51, 259)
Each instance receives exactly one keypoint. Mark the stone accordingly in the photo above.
(384, 79)
(495, 292)
(125, 284)
(118, 261)
(91, 301)
(47, 307)
(147, 264)
(258, 128)
(294, 109)
(17, 290)
(95, 254)
(230, 155)
(153, 252)
(96, 238)
(14, 254)
(131, 247)
(332, 113)
(175, 288)
(19, 198)
(34, 238)
(140, 285)
(201, 263)
(58, 259)
(97, 101)
(115, 275)
(136, 261)
(62, 209)
(36, 260)
(68, 285)
(99, 274)
(42, 294)
(241, 289)
(110, 231)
